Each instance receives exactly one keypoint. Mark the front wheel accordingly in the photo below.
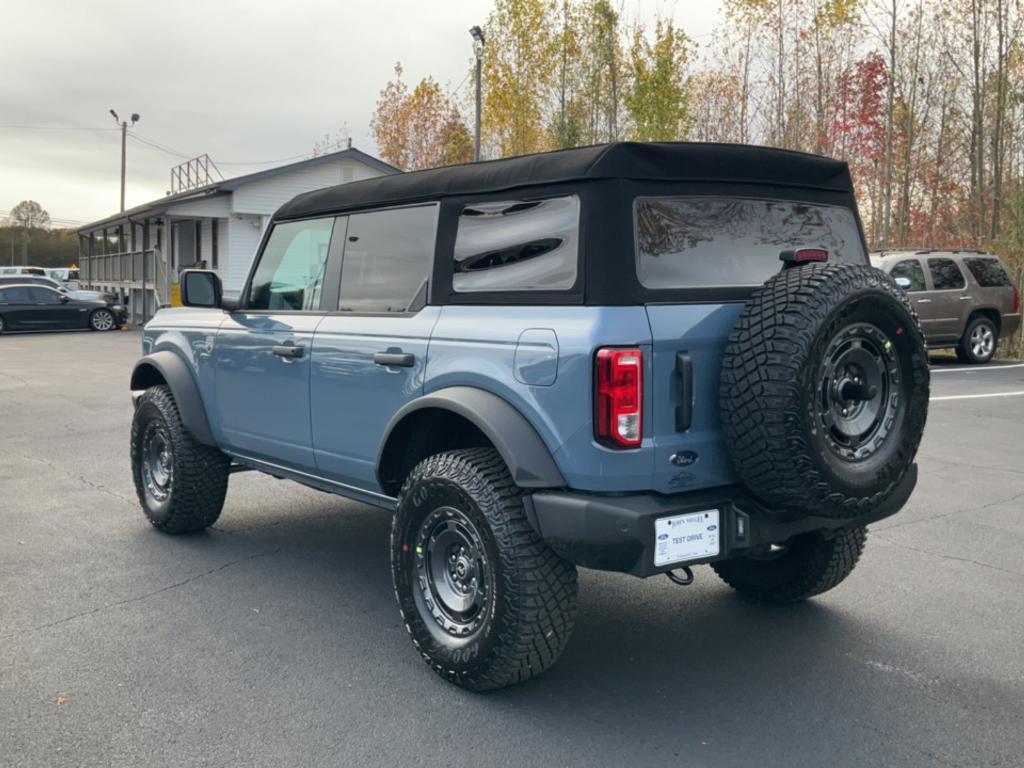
(486, 601)
(979, 342)
(795, 570)
(102, 320)
(180, 482)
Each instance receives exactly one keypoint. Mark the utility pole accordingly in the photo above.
(124, 140)
(478, 48)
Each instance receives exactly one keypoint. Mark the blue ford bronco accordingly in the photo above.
(629, 357)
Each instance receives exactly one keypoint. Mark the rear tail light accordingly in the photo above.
(1016, 301)
(620, 397)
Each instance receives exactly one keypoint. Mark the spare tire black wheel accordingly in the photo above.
(824, 390)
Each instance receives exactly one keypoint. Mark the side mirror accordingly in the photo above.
(903, 282)
(201, 288)
(65, 299)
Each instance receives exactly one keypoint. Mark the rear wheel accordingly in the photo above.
(487, 603)
(795, 570)
(180, 482)
(102, 320)
(3, 324)
(979, 341)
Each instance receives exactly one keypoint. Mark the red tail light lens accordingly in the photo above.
(1016, 301)
(620, 397)
(804, 255)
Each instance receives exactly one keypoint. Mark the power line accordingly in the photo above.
(186, 156)
(157, 145)
(26, 127)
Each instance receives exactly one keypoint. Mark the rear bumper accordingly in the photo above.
(1010, 325)
(616, 533)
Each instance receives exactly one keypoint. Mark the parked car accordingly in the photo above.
(630, 357)
(965, 299)
(27, 307)
(66, 276)
(51, 283)
(23, 271)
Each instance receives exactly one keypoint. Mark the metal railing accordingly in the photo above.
(126, 267)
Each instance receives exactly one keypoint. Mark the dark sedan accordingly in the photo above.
(38, 308)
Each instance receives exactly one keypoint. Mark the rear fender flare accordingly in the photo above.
(525, 454)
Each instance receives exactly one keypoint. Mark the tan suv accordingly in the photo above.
(965, 299)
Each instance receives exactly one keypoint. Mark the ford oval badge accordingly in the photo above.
(683, 458)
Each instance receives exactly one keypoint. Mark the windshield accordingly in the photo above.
(685, 242)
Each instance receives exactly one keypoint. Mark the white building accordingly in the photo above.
(141, 251)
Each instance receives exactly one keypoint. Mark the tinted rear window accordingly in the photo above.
(517, 245)
(989, 273)
(693, 242)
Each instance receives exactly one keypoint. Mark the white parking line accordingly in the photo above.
(977, 368)
(974, 397)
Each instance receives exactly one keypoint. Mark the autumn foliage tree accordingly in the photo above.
(419, 129)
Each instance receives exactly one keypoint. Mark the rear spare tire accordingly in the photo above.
(824, 390)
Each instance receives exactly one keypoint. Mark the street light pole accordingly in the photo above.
(478, 49)
(124, 141)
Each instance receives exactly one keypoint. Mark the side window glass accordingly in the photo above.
(946, 275)
(910, 269)
(387, 260)
(988, 273)
(517, 245)
(291, 270)
(44, 296)
(15, 295)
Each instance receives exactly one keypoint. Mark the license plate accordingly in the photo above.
(692, 536)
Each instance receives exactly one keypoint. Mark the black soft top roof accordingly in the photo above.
(679, 161)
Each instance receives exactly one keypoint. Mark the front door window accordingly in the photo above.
(291, 270)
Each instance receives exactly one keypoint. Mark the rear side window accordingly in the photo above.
(517, 245)
(387, 261)
(910, 269)
(988, 273)
(946, 275)
(291, 270)
(694, 242)
(14, 295)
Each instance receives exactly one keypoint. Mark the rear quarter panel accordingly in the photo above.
(476, 346)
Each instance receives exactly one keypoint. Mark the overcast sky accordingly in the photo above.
(241, 80)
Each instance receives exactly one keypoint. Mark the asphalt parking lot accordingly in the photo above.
(273, 640)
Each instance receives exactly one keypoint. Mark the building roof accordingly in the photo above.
(229, 185)
(677, 161)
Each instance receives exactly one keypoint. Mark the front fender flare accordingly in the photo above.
(176, 372)
(528, 459)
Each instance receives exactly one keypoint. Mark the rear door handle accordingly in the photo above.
(291, 351)
(924, 301)
(965, 298)
(395, 359)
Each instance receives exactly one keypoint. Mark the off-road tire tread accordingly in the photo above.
(832, 558)
(200, 471)
(761, 386)
(540, 587)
